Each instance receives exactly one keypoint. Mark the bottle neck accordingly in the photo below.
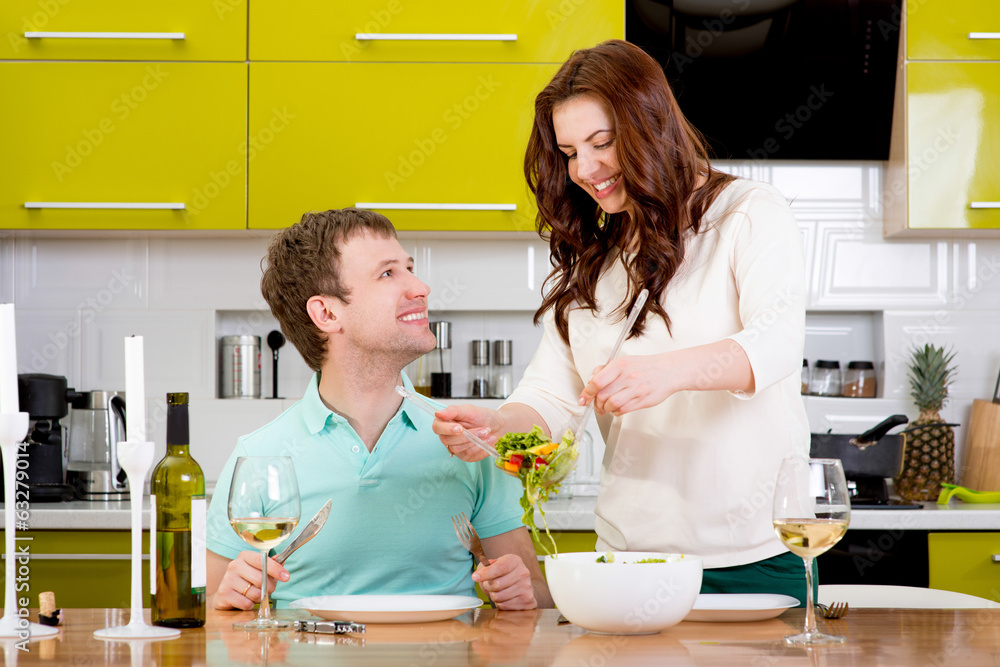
(178, 450)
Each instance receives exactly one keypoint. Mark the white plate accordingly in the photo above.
(737, 607)
(387, 608)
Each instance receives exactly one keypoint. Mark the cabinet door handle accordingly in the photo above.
(175, 206)
(435, 36)
(984, 35)
(34, 556)
(103, 35)
(984, 204)
(437, 207)
(996, 558)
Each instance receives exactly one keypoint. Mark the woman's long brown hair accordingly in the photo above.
(661, 157)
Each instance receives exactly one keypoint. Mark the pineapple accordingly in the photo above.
(930, 452)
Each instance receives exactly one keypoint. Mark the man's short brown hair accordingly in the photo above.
(303, 261)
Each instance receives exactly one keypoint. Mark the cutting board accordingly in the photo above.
(982, 448)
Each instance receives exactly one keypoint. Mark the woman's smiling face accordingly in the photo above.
(586, 134)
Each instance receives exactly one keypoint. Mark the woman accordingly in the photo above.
(703, 403)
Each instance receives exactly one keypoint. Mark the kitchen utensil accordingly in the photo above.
(310, 531)
(387, 608)
(441, 360)
(982, 459)
(614, 598)
(866, 464)
(275, 340)
(633, 314)
(966, 495)
(421, 403)
(825, 378)
(479, 371)
(239, 367)
(329, 627)
(835, 610)
(469, 538)
(96, 427)
(502, 383)
(739, 607)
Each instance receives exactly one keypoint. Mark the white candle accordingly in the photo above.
(8, 360)
(135, 391)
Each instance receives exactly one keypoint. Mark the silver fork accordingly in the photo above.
(469, 538)
(835, 610)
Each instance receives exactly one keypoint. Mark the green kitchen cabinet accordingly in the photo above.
(84, 568)
(522, 31)
(954, 30)
(123, 145)
(943, 175)
(434, 146)
(192, 30)
(965, 563)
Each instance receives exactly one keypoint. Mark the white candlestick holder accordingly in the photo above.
(135, 459)
(13, 428)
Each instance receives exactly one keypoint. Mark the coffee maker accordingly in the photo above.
(97, 425)
(46, 400)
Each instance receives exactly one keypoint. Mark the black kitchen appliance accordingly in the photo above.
(46, 400)
(778, 79)
(868, 459)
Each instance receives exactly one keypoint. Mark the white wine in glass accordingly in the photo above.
(812, 510)
(264, 510)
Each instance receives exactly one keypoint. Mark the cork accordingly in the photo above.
(47, 612)
(46, 603)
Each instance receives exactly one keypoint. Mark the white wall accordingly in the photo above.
(78, 296)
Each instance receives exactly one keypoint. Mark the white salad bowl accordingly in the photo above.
(624, 597)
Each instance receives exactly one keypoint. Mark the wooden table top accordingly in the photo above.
(896, 637)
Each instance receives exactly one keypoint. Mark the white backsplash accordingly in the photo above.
(78, 295)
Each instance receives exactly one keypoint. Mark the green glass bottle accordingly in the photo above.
(177, 494)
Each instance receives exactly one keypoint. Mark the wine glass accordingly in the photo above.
(811, 512)
(263, 510)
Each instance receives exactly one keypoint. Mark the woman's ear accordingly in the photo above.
(323, 312)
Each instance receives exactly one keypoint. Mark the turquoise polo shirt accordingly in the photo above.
(390, 530)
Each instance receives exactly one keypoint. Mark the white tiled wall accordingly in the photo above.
(77, 297)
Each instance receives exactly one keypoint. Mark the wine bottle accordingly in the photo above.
(177, 495)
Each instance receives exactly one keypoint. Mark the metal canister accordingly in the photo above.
(239, 367)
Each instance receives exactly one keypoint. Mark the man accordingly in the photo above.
(344, 293)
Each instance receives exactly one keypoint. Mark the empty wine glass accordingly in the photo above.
(264, 510)
(811, 512)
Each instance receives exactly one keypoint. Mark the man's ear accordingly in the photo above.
(323, 312)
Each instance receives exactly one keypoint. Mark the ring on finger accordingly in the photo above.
(247, 589)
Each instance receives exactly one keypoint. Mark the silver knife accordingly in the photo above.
(309, 532)
(329, 627)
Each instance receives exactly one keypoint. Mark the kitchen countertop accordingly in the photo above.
(534, 638)
(561, 513)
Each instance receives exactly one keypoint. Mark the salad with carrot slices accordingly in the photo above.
(541, 465)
